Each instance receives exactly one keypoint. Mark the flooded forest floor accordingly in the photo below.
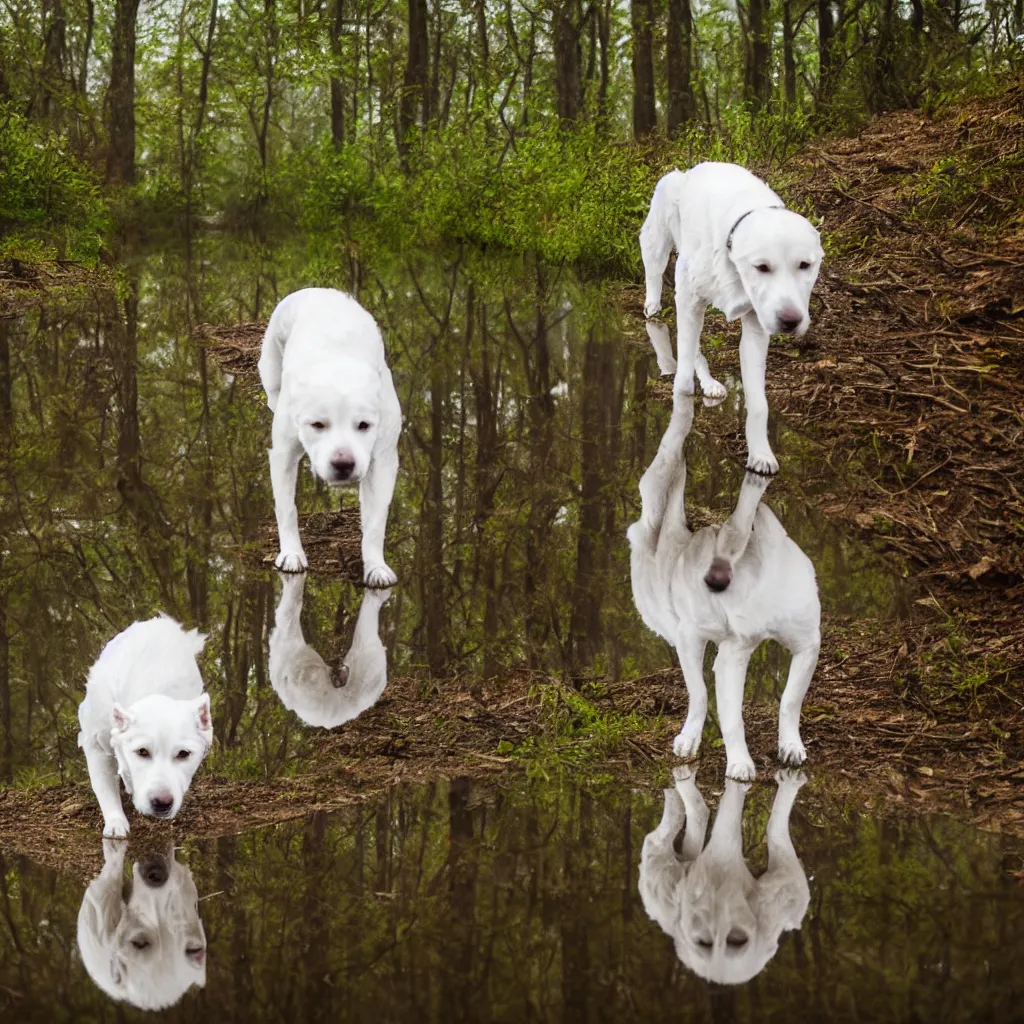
(910, 390)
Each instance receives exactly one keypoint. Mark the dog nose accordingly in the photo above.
(162, 804)
(343, 466)
(719, 576)
(154, 870)
(790, 320)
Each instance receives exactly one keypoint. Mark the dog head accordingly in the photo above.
(777, 254)
(158, 743)
(337, 421)
(141, 939)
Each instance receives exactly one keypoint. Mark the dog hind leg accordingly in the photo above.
(730, 678)
(655, 248)
(801, 671)
(272, 355)
(691, 660)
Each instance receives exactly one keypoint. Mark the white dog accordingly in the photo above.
(148, 947)
(733, 585)
(331, 392)
(320, 696)
(145, 717)
(725, 923)
(741, 251)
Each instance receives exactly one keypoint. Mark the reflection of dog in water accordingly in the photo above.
(319, 695)
(726, 923)
(140, 938)
(734, 586)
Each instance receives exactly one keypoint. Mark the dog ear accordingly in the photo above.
(203, 718)
(120, 719)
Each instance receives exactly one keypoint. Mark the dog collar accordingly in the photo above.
(740, 219)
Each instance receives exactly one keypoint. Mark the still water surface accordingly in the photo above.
(134, 480)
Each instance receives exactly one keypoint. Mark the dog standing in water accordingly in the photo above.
(332, 396)
(145, 717)
(741, 251)
(734, 586)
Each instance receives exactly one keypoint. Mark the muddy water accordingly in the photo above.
(134, 480)
(458, 903)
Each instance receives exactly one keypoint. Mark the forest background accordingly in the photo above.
(534, 127)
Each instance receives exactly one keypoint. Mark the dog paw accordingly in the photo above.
(741, 770)
(687, 743)
(792, 751)
(291, 561)
(790, 777)
(380, 576)
(763, 463)
(713, 390)
(651, 309)
(115, 828)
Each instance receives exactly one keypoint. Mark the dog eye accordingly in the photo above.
(317, 425)
(363, 425)
(805, 265)
(763, 268)
(182, 755)
(142, 752)
(140, 943)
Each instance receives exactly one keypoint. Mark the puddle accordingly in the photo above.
(137, 482)
(465, 903)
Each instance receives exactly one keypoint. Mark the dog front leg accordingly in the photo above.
(753, 360)
(696, 811)
(730, 677)
(661, 341)
(691, 660)
(801, 671)
(726, 840)
(103, 777)
(375, 493)
(284, 474)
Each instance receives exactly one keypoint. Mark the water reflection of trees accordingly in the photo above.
(134, 479)
(453, 903)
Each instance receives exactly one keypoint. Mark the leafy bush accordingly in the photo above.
(43, 187)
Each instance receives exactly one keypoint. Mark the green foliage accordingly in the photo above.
(43, 187)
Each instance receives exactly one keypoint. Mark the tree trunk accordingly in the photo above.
(758, 85)
(644, 111)
(337, 82)
(568, 59)
(604, 19)
(414, 84)
(788, 56)
(54, 23)
(826, 57)
(121, 95)
(682, 104)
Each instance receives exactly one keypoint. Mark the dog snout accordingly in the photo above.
(790, 320)
(161, 804)
(343, 465)
(719, 576)
(154, 870)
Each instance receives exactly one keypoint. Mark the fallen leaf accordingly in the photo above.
(981, 567)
